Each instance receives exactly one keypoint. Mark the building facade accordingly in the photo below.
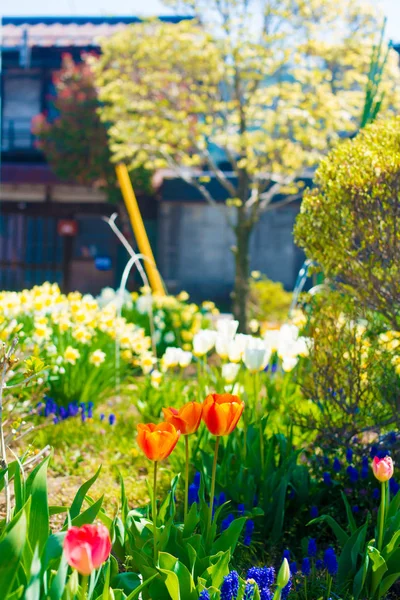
(53, 230)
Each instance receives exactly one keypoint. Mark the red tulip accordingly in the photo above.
(87, 548)
(157, 441)
(382, 468)
(221, 413)
(187, 419)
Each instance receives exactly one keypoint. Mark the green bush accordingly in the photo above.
(351, 377)
(349, 223)
(269, 301)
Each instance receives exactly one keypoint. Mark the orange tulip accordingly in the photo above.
(157, 441)
(187, 419)
(221, 413)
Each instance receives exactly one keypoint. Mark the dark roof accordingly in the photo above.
(64, 31)
(94, 20)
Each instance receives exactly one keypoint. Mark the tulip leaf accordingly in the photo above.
(387, 583)
(11, 550)
(178, 579)
(340, 533)
(89, 515)
(347, 563)
(218, 569)
(127, 581)
(17, 594)
(191, 521)
(32, 591)
(229, 538)
(391, 546)
(53, 549)
(138, 590)
(394, 506)
(349, 513)
(379, 567)
(39, 518)
(57, 510)
(59, 581)
(360, 578)
(80, 496)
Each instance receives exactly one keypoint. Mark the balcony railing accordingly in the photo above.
(16, 135)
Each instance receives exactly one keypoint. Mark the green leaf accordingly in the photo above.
(135, 593)
(126, 581)
(379, 567)
(53, 549)
(57, 510)
(87, 516)
(229, 538)
(17, 594)
(387, 583)
(219, 568)
(391, 546)
(359, 579)
(59, 581)
(80, 496)
(279, 509)
(349, 513)
(33, 590)
(394, 506)
(106, 588)
(11, 549)
(19, 489)
(39, 519)
(347, 563)
(191, 521)
(340, 533)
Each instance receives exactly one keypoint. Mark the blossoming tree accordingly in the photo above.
(272, 84)
(72, 135)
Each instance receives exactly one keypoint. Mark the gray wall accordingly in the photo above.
(194, 244)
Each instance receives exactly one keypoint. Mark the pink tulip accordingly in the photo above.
(87, 548)
(382, 468)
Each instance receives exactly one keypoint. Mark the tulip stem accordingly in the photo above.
(84, 587)
(186, 477)
(382, 514)
(256, 382)
(328, 595)
(154, 511)
(212, 492)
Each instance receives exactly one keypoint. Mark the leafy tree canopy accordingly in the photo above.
(350, 222)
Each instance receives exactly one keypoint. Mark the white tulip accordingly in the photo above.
(230, 372)
(227, 327)
(289, 363)
(257, 355)
(222, 343)
(185, 358)
(171, 357)
(203, 341)
(271, 339)
(303, 346)
(238, 346)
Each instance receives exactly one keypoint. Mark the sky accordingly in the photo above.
(139, 7)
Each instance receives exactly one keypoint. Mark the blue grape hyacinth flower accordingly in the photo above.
(230, 586)
(330, 561)
(312, 548)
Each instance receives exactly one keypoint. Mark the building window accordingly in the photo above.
(22, 94)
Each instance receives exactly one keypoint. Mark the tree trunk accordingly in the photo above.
(242, 273)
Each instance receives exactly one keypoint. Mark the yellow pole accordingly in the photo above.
(139, 229)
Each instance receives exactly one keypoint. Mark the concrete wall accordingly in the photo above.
(194, 244)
